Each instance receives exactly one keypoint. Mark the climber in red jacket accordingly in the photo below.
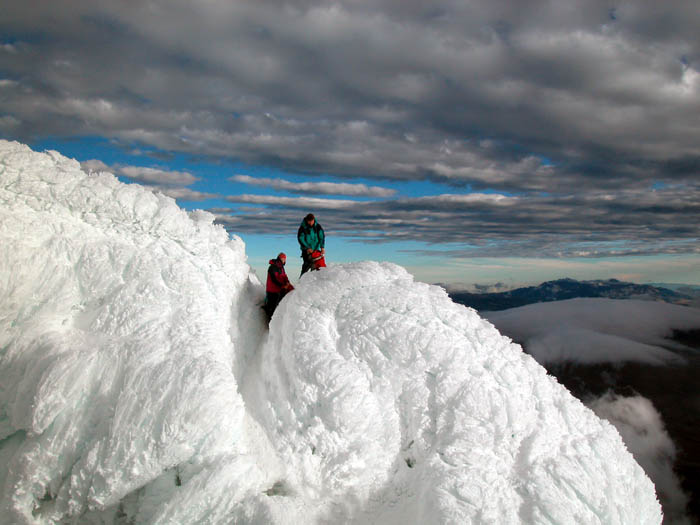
(278, 284)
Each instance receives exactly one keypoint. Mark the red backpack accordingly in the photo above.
(317, 260)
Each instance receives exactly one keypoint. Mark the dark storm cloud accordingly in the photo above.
(569, 99)
(596, 224)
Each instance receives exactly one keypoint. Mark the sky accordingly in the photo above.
(471, 142)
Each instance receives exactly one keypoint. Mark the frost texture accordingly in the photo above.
(138, 385)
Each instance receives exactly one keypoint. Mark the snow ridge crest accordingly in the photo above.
(139, 384)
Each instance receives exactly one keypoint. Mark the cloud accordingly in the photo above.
(8, 48)
(294, 202)
(581, 330)
(383, 89)
(8, 122)
(597, 224)
(644, 433)
(475, 287)
(158, 177)
(575, 109)
(170, 183)
(419, 218)
(144, 175)
(185, 194)
(317, 188)
(95, 166)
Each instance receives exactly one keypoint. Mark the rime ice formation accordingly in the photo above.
(138, 383)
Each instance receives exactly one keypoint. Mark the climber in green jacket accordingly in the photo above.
(311, 239)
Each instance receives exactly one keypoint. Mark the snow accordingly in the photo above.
(139, 384)
(598, 330)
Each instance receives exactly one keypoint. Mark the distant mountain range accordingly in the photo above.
(562, 289)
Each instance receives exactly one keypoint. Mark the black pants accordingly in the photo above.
(272, 299)
(307, 264)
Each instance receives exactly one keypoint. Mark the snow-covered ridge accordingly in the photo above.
(138, 384)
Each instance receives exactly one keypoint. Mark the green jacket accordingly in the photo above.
(311, 237)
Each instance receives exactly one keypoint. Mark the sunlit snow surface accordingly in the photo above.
(138, 383)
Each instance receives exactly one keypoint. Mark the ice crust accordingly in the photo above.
(138, 383)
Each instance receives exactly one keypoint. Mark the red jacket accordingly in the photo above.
(276, 277)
